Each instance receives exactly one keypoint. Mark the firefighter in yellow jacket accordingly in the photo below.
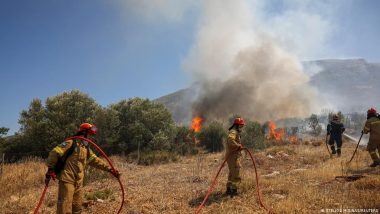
(233, 154)
(70, 190)
(372, 126)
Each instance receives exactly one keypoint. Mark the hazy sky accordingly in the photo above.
(115, 49)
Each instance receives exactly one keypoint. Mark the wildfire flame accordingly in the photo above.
(196, 123)
(275, 133)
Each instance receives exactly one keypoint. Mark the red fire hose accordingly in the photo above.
(42, 198)
(217, 175)
(109, 162)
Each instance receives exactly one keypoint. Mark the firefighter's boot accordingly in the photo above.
(234, 193)
(339, 152)
(375, 158)
(229, 191)
(333, 150)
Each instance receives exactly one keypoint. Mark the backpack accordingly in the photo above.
(58, 167)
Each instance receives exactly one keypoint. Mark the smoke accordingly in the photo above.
(267, 84)
(243, 67)
(169, 11)
(246, 58)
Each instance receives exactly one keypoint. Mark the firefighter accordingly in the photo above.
(233, 153)
(335, 129)
(372, 126)
(70, 189)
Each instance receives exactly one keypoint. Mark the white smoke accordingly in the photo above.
(169, 11)
(244, 68)
(246, 56)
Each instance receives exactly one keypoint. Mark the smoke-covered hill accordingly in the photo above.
(349, 85)
(179, 104)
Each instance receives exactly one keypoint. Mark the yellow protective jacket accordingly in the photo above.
(372, 125)
(233, 141)
(73, 171)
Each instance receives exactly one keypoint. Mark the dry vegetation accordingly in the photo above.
(304, 183)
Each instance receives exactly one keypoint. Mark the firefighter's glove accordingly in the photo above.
(50, 174)
(115, 173)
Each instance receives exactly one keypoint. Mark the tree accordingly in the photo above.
(212, 136)
(253, 136)
(144, 124)
(3, 131)
(34, 128)
(184, 141)
(43, 127)
(107, 122)
(66, 111)
(313, 123)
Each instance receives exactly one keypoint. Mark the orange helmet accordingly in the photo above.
(371, 111)
(239, 121)
(88, 127)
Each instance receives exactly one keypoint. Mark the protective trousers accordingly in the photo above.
(70, 198)
(234, 170)
(372, 146)
(338, 141)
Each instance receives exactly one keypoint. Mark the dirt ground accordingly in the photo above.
(293, 179)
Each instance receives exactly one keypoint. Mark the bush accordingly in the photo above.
(184, 141)
(152, 157)
(143, 125)
(186, 148)
(101, 194)
(93, 174)
(212, 136)
(252, 136)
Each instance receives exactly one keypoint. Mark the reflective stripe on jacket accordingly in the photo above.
(73, 171)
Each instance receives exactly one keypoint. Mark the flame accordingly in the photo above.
(196, 123)
(275, 133)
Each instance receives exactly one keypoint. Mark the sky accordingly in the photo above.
(119, 49)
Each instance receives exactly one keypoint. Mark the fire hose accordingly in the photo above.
(355, 149)
(109, 162)
(211, 187)
(42, 198)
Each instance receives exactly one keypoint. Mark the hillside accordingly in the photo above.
(350, 85)
(293, 179)
(179, 104)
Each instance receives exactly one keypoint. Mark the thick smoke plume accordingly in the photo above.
(240, 69)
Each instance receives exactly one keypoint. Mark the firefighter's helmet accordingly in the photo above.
(371, 111)
(88, 128)
(239, 121)
(335, 117)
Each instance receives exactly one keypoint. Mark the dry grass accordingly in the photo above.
(305, 184)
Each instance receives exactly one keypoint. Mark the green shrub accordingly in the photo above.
(253, 136)
(152, 157)
(92, 174)
(186, 148)
(100, 194)
(212, 136)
